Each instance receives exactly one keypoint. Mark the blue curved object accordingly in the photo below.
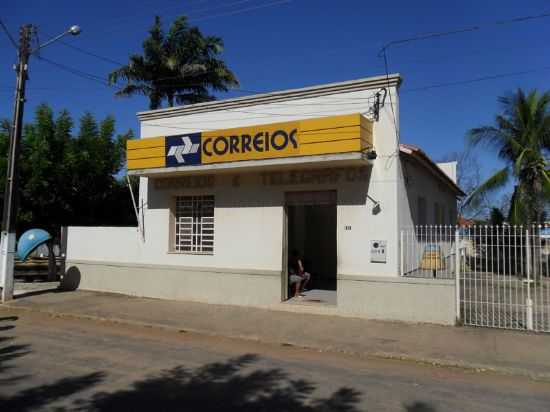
(30, 240)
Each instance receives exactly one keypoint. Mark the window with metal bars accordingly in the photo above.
(194, 224)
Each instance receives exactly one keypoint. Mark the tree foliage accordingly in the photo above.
(521, 138)
(66, 178)
(181, 66)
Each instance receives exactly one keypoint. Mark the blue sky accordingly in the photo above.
(278, 45)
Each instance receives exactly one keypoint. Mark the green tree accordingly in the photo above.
(67, 179)
(96, 155)
(521, 137)
(179, 67)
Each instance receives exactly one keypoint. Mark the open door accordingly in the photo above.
(310, 221)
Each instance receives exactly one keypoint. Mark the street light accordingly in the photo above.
(8, 239)
(73, 30)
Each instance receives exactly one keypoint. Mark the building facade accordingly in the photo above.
(228, 189)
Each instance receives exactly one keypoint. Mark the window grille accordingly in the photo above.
(194, 224)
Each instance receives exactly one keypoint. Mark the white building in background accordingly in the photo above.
(227, 188)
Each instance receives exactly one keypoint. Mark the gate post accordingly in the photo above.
(457, 274)
(529, 302)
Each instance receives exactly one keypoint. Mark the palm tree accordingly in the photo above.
(181, 67)
(521, 137)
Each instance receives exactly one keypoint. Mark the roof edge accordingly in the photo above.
(392, 80)
(429, 164)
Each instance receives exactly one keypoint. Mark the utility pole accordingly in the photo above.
(9, 218)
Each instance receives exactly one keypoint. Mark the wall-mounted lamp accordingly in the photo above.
(371, 154)
(376, 207)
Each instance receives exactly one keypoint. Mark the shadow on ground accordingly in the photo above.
(9, 351)
(39, 396)
(30, 293)
(232, 385)
(223, 386)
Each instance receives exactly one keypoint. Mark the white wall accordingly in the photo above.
(104, 244)
(417, 181)
(449, 168)
(249, 232)
(249, 226)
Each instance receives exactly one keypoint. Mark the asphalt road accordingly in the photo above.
(61, 364)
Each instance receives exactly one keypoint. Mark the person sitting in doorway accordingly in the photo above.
(298, 277)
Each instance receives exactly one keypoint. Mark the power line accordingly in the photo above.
(476, 80)
(164, 10)
(8, 34)
(92, 54)
(212, 9)
(383, 52)
(207, 9)
(238, 11)
(426, 36)
(244, 10)
(77, 72)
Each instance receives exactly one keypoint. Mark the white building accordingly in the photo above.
(228, 187)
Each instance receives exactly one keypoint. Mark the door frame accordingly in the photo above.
(284, 272)
(332, 199)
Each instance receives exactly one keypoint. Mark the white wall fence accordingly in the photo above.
(502, 273)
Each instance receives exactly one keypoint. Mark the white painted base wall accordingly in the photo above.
(408, 300)
(180, 283)
(401, 299)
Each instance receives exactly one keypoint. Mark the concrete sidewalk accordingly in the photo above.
(498, 350)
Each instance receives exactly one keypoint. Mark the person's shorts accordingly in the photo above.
(295, 278)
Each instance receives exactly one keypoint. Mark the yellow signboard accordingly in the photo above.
(327, 135)
(250, 143)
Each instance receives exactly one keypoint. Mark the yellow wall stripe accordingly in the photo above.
(145, 143)
(342, 146)
(342, 133)
(331, 122)
(146, 153)
(146, 163)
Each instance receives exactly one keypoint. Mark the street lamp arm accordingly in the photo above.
(73, 30)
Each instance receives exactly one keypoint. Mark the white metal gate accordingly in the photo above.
(502, 273)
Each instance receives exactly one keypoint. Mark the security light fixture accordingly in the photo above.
(371, 155)
(74, 30)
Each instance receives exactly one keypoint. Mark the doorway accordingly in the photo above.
(311, 230)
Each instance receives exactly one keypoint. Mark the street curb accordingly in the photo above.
(437, 362)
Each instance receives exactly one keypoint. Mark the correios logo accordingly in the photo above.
(231, 145)
(185, 148)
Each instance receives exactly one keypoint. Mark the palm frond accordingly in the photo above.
(131, 89)
(519, 161)
(495, 182)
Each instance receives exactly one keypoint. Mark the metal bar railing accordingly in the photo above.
(501, 273)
